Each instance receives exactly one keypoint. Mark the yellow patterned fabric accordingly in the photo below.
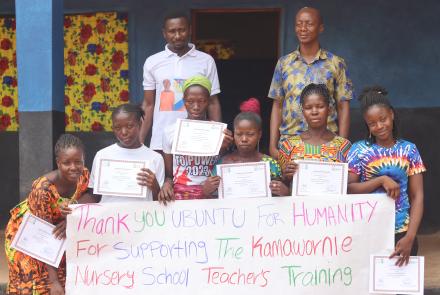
(8, 76)
(292, 73)
(28, 275)
(295, 148)
(95, 69)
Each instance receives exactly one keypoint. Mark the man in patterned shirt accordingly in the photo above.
(309, 63)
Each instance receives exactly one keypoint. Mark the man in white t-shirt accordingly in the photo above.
(164, 75)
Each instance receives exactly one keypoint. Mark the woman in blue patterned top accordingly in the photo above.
(384, 163)
(247, 134)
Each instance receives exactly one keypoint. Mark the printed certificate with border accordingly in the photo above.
(387, 278)
(198, 138)
(118, 178)
(34, 238)
(244, 180)
(316, 177)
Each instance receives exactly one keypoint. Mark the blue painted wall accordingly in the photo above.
(394, 42)
(39, 38)
(7, 7)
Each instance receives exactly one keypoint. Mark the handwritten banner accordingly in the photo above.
(318, 245)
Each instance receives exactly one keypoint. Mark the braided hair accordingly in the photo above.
(318, 89)
(376, 96)
(129, 108)
(67, 141)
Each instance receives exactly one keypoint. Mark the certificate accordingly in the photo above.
(387, 278)
(244, 180)
(198, 138)
(34, 238)
(118, 178)
(315, 177)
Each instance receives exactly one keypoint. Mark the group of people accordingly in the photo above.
(310, 120)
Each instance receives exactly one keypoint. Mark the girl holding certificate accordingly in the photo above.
(49, 193)
(317, 142)
(384, 163)
(185, 173)
(247, 134)
(126, 124)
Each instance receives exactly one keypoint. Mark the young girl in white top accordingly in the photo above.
(126, 124)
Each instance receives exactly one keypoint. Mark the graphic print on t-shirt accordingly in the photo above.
(166, 97)
(193, 170)
(178, 100)
(171, 96)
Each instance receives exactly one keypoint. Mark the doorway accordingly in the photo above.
(245, 46)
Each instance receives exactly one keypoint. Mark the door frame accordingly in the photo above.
(195, 12)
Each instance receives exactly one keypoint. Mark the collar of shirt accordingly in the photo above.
(321, 54)
(191, 51)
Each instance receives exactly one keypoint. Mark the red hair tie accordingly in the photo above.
(250, 105)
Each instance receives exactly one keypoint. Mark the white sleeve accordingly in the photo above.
(213, 76)
(92, 173)
(167, 139)
(160, 170)
(149, 81)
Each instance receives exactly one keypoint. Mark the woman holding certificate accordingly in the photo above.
(385, 163)
(49, 192)
(247, 134)
(188, 154)
(317, 142)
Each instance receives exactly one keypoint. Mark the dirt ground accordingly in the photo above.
(430, 248)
